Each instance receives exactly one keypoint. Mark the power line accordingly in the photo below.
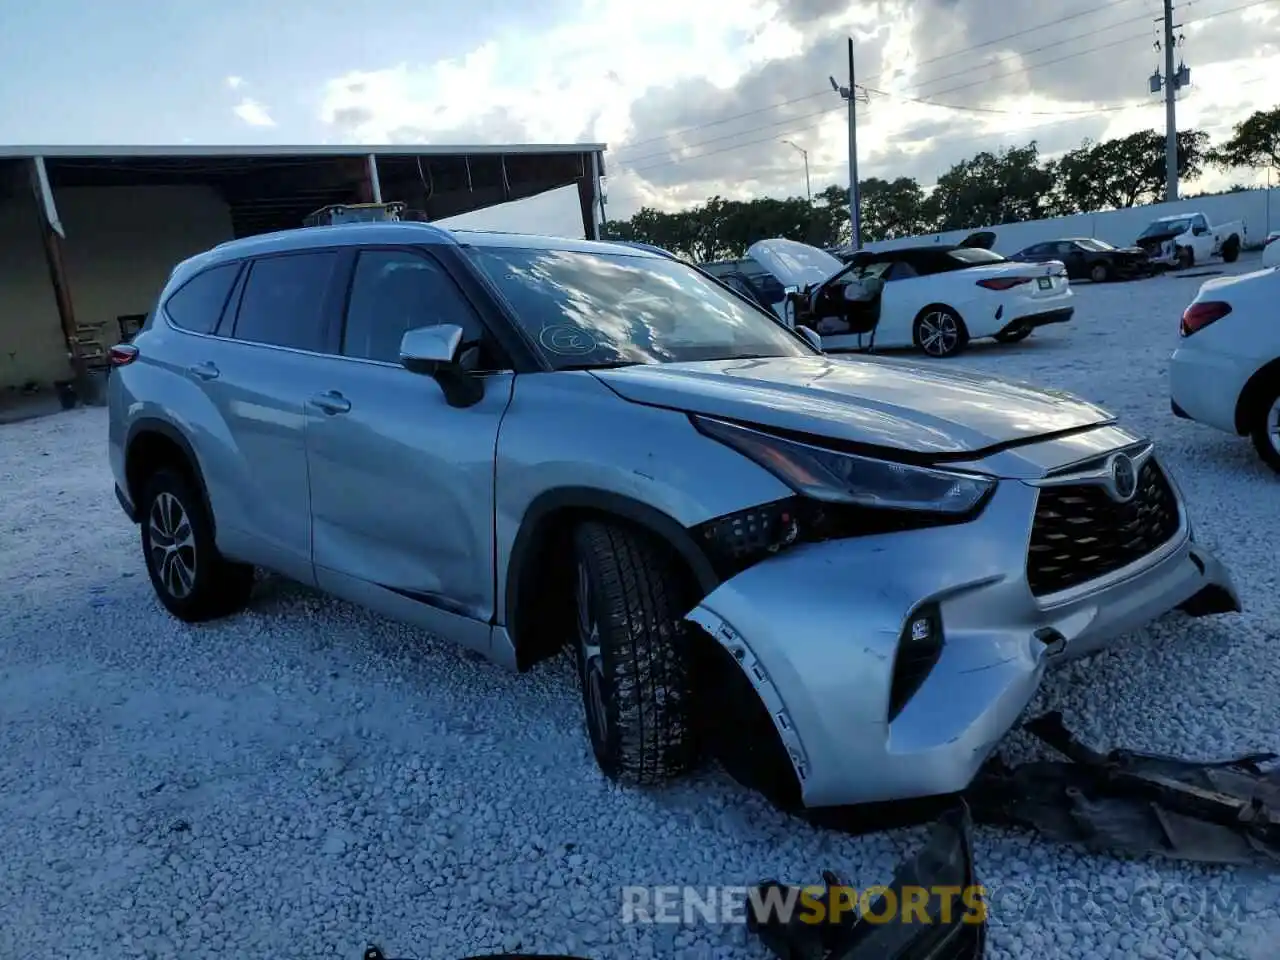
(945, 56)
(920, 100)
(987, 137)
(1008, 113)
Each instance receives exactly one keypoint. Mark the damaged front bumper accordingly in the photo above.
(824, 631)
(948, 920)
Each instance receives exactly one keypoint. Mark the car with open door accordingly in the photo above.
(935, 297)
(1087, 258)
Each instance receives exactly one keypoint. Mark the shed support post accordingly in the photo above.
(590, 197)
(375, 185)
(52, 233)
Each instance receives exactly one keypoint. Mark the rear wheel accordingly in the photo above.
(1266, 427)
(1231, 250)
(940, 332)
(193, 580)
(1100, 273)
(633, 656)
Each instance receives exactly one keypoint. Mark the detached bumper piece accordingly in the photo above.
(1133, 803)
(954, 928)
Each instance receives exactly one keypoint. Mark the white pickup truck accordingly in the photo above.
(1185, 239)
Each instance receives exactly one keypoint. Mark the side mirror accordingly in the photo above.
(814, 338)
(435, 351)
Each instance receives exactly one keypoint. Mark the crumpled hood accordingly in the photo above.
(876, 401)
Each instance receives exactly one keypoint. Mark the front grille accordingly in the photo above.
(1080, 533)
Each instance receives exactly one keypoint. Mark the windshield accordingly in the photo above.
(973, 256)
(1163, 228)
(1088, 243)
(593, 310)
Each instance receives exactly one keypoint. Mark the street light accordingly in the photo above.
(804, 153)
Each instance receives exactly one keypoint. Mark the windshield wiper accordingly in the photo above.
(608, 365)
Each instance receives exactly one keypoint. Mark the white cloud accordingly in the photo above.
(632, 74)
(574, 81)
(253, 113)
(235, 83)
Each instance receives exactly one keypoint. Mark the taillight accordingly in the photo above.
(1270, 240)
(1199, 315)
(1003, 283)
(122, 354)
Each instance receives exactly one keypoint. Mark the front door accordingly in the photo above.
(401, 482)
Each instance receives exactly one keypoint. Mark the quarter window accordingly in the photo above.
(197, 305)
(283, 301)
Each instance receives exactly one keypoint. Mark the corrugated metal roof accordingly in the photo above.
(309, 150)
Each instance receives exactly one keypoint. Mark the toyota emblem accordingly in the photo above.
(1124, 478)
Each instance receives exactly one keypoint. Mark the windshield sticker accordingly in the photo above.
(566, 341)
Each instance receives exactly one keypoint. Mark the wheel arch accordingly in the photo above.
(543, 544)
(1265, 377)
(152, 443)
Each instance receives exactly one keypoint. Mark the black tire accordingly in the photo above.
(1013, 336)
(1231, 250)
(1100, 272)
(938, 316)
(636, 674)
(215, 586)
(1263, 421)
(1186, 258)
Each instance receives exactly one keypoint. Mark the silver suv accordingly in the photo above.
(844, 578)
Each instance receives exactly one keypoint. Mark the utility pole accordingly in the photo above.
(808, 190)
(851, 96)
(1171, 82)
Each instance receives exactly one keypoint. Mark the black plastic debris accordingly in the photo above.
(943, 869)
(1127, 802)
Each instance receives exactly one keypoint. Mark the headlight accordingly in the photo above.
(835, 477)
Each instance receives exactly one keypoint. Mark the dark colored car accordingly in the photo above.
(1089, 259)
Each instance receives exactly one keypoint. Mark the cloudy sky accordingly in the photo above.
(693, 97)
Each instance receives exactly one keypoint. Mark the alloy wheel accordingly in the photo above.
(172, 545)
(939, 333)
(590, 657)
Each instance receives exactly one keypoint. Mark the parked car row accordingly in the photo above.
(530, 444)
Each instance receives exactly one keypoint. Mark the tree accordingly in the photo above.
(1124, 172)
(990, 188)
(890, 208)
(1255, 142)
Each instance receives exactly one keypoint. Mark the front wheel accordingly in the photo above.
(632, 655)
(1186, 258)
(1100, 273)
(1266, 429)
(940, 332)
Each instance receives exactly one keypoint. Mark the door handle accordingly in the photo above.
(331, 402)
(205, 371)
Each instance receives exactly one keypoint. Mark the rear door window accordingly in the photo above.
(283, 300)
(197, 305)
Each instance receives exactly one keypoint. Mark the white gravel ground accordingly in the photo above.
(303, 778)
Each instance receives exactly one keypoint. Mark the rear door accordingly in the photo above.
(402, 482)
(258, 375)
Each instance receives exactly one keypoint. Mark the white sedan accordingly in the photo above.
(934, 297)
(1226, 370)
(1271, 250)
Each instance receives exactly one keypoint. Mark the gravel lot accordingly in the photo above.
(306, 777)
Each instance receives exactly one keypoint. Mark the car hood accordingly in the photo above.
(876, 402)
(794, 264)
